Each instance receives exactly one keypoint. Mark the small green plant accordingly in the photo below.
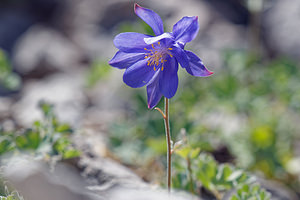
(251, 192)
(195, 168)
(8, 79)
(46, 138)
(6, 193)
(12, 196)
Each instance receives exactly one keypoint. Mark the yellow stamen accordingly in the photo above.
(157, 55)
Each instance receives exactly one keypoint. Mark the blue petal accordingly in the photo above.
(151, 18)
(196, 67)
(131, 42)
(124, 60)
(180, 56)
(153, 93)
(186, 29)
(168, 79)
(139, 74)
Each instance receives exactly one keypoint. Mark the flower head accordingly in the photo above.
(153, 60)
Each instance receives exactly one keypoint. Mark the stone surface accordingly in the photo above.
(34, 181)
(45, 49)
(281, 28)
(90, 177)
(62, 90)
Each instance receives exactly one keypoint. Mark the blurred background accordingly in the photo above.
(246, 114)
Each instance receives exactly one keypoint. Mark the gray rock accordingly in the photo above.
(100, 171)
(281, 25)
(34, 181)
(41, 48)
(101, 178)
(62, 90)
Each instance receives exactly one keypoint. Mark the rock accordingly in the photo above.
(234, 11)
(17, 17)
(5, 107)
(150, 194)
(62, 90)
(34, 181)
(281, 28)
(42, 49)
(98, 170)
(101, 178)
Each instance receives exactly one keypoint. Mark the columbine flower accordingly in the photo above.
(153, 60)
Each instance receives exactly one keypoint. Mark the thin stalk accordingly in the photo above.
(190, 172)
(168, 138)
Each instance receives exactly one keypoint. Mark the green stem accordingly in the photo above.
(168, 138)
(190, 172)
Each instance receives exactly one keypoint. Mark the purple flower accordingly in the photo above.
(153, 60)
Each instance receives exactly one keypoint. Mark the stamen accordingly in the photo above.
(157, 55)
(170, 55)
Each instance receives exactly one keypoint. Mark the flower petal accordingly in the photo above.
(153, 92)
(124, 60)
(139, 74)
(152, 40)
(186, 29)
(180, 55)
(131, 42)
(151, 18)
(196, 67)
(168, 79)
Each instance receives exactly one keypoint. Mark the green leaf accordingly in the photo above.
(234, 198)
(8, 78)
(235, 175)
(71, 153)
(28, 140)
(64, 128)
(195, 153)
(206, 170)
(183, 152)
(21, 141)
(46, 108)
(158, 145)
(4, 145)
